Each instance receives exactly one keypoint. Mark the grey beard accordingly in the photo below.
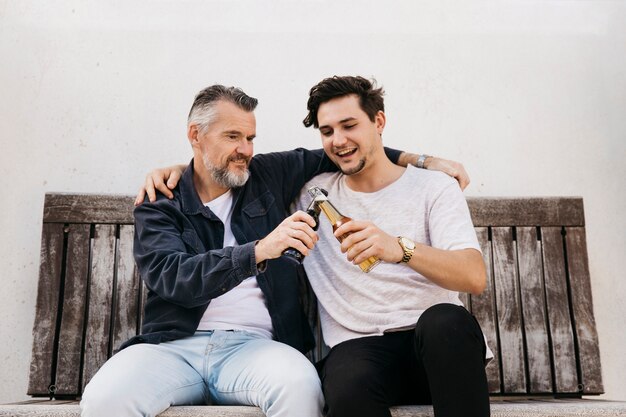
(223, 176)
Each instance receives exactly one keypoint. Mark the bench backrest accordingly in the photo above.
(536, 312)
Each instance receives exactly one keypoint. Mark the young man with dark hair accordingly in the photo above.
(398, 334)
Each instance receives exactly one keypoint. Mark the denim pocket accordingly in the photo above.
(260, 206)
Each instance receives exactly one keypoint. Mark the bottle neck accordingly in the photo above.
(331, 212)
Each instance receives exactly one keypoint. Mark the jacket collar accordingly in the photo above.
(190, 200)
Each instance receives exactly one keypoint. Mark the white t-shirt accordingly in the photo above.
(425, 206)
(243, 307)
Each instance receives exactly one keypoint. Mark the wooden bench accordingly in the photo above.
(536, 312)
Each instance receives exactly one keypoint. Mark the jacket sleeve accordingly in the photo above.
(392, 154)
(287, 172)
(171, 267)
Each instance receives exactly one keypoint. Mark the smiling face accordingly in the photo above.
(350, 139)
(225, 146)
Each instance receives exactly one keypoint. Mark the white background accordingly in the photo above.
(530, 95)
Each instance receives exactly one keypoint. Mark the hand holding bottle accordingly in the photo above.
(363, 240)
(294, 254)
(296, 231)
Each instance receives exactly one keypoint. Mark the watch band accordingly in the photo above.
(408, 249)
(421, 160)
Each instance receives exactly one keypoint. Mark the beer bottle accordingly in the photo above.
(294, 254)
(337, 219)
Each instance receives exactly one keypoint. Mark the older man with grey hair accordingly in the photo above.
(222, 320)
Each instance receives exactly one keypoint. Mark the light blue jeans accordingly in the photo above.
(218, 367)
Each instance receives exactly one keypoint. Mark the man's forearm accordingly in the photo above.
(433, 163)
(180, 277)
(407, 158)
(455, 270)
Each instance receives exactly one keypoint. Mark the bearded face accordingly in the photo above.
(231, 173)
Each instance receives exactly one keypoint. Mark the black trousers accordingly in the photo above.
(440, 362)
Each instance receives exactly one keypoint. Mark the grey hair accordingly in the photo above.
(202, 111)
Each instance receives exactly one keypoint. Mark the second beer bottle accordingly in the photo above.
(337, 219)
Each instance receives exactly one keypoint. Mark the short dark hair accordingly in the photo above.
(201, 112)
(370, 98)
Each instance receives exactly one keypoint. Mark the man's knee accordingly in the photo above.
(354, 393)
(303, 375)
(102, 402)
(341, 384)
(126, 385)
(447, 325)
(290, 386)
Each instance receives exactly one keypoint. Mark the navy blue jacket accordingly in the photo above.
(179, 249)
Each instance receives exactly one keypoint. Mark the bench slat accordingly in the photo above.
(127, 292)
(485, 211)
(533, 307)
(47, 309)
(565, 374)
(86, 208)
(545, 211)
(69, 356)
(483, 308)
(143, 298)
(585, 324)
(508, 310)
(100, 300)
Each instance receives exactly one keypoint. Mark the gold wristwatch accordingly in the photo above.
(408, 246)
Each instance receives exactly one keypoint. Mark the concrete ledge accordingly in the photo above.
(499, 408)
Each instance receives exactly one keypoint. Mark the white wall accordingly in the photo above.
(530, 95)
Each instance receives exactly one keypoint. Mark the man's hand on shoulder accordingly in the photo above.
(161, 179)
(452, 168)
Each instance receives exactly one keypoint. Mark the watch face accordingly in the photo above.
(409, 244)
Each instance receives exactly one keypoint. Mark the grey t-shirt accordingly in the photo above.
(425, 206)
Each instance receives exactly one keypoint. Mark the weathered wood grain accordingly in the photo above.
(483, 308)
(485, 211)
(563, 353)
(88, 208)
(582, 305)
(100, 299)
(546, 211)
(534, 310)
(127, 291)
(508, 311)
(46, 311)
(71, 333)
(142, 301)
